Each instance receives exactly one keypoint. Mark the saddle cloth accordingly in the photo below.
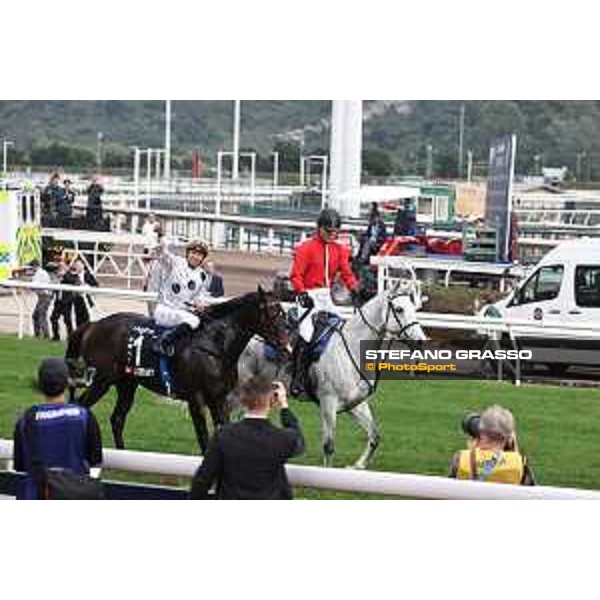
(325, 323)
(142, 361)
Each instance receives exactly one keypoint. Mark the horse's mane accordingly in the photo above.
(223, 309)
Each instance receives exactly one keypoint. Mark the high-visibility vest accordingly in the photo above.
(491, 465)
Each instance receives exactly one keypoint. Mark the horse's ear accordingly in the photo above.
(261, 291)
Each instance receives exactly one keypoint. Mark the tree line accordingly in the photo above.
(376, 163)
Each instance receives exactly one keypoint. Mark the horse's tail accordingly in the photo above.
(74, 349)
(74, 344)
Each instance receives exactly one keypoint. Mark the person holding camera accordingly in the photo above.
(54, 434)
(493, 454)
(246, 460)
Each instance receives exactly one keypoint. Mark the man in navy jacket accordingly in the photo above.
(58, 435)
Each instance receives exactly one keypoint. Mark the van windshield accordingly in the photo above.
(543, 285)
(587, 286)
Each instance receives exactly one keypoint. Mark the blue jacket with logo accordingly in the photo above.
(65, 436)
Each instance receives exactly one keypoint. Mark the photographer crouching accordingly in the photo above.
(246, 460)
(493, 452)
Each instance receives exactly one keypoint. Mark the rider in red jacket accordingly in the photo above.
(316, 263)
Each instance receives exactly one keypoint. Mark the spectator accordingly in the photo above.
(54, 434)
(406, 219)
(51, 197)
(246, 460)
(63, 302)
(94, 215)
(82, 302)
(155, 274)
(493, 454)
(44, 300)
(64, 207)
(215, 280)
(374, 237)
(150, 230)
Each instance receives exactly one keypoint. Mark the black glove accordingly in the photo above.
(306, 301)
(355, 295)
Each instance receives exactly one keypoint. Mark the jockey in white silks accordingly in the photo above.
(317, 262)
(183, 291)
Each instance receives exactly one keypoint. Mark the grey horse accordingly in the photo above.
(338, 384)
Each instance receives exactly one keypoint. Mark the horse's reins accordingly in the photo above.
(380, 333)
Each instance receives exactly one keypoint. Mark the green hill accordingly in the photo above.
(555, 131)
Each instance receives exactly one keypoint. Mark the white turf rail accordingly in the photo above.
(344, 480)
(516, 327)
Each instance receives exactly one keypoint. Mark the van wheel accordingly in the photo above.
(557, 369)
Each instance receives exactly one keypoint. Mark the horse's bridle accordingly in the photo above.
(267, 321)
(381, 332)
(380, 335)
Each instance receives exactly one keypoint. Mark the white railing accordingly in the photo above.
(224, 231)
(343, 480)
(23, 315)
(492, 327)
(514, 327)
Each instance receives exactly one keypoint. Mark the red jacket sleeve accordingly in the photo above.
(299, 268)
(345, 271)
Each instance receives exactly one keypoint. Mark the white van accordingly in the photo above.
(563, 288)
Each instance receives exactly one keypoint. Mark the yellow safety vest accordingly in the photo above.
(491, 465)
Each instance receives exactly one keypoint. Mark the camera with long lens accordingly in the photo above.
(471, 424)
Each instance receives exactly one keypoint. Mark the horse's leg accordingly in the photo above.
(92, 394)
(126, 395)
(364, 417)
(218, 412)
(198, 414)
(328, 423)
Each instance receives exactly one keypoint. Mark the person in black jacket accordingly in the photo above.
(94, 215)
(63, 302)
(246, 460)
(51, 198)
(82, 302)
(215, 280)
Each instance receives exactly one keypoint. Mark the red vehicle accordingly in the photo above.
(421, 243)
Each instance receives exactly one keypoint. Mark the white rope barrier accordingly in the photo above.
(344, 480)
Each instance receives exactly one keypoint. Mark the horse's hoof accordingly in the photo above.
(357, 467)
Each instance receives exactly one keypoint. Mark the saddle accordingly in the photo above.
(142, 361)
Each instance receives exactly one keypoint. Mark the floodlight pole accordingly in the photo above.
(148, 177)
(235, 173)
(167, 170)
(275, 168)
(461, 134)
(219, 176)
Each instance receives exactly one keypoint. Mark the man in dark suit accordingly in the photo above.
(246, 460)
(215, 280)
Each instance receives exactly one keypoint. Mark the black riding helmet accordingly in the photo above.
(329, 218)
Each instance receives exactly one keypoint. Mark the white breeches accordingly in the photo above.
(167, 316)
(323, 301)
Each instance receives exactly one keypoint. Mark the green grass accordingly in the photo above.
(559, 428)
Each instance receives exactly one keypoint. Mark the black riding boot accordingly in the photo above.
(300, 363)
(167, 342)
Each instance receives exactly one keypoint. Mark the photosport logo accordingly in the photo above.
(456, 359)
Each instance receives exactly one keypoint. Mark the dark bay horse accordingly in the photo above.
(204, 368)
